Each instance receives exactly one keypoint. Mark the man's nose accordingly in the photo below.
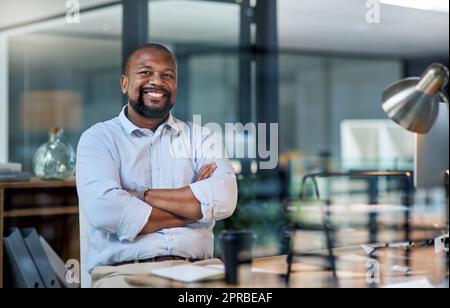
(155, 79)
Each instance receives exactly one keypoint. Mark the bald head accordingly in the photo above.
(147, 48)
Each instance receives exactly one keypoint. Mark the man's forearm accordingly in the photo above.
(160, 219)
(180, 202)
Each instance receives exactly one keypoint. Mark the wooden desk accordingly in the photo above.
(352, 272)
(23, 204)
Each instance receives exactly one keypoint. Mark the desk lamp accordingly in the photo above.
(413, 103)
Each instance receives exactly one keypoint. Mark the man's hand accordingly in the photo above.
(206, 172)
(160, 219)
(182, 201)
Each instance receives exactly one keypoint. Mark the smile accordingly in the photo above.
(154, 94)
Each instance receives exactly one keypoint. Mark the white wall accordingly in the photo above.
(3, 98)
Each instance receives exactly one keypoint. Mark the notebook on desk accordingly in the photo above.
(189, 273)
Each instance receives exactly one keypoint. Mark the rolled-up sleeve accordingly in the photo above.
(108, 207)
(217, 195)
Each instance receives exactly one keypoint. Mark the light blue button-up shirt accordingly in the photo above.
(116, 156)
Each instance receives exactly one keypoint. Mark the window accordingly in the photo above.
(63, 75)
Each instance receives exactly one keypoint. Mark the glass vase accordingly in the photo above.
(55, 159)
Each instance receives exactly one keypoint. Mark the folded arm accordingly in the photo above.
(160, 220)
(111, 209)
(180, 202)
(211, 198)
(180, 208)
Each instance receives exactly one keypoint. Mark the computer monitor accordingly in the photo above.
(432, 153)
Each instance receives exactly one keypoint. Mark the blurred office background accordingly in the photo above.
(317, 68)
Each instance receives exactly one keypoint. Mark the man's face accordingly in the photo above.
(151, 83)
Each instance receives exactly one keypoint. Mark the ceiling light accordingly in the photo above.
(428, 5)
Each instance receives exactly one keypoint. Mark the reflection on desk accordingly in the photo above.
(355, 270)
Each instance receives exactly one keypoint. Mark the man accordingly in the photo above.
(145, 202)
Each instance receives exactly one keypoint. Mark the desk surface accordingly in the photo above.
(426, 268)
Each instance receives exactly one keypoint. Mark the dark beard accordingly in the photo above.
(150, 113)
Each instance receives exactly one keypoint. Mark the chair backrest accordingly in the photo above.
(84, 227)
(404, 181)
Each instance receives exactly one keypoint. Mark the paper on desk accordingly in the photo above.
(417, 284)
(371, 249)
(254, 270)
(361, 208)
(189, 273)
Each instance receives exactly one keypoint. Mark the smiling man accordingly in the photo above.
(146, 206)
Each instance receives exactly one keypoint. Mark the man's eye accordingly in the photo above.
(168, 76)
(146, 73)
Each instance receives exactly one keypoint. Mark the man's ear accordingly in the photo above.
(124, 84)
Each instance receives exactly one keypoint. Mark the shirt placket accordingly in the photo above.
(157, 182)
(150, 155)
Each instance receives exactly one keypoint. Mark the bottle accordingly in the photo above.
(55, 159)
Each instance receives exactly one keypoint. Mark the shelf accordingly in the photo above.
(37, 183)
(41, 212)
(23, 204)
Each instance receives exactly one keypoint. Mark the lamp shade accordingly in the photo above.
(413, 103)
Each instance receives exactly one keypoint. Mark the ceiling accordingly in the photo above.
(340, 25)
(15, 12)
(311, 25)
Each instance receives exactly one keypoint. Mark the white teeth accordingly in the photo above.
(155, 94)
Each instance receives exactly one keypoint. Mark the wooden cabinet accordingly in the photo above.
(51, 207)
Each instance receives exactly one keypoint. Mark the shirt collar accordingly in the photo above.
(131, 129)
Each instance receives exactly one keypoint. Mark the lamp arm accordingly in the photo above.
(444, 97)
